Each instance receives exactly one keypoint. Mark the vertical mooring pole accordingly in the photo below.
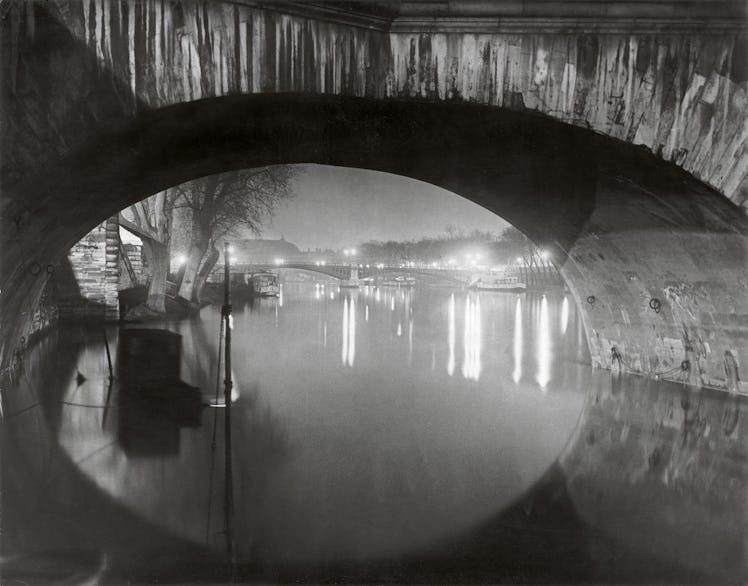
(229, 495)
(108, 358)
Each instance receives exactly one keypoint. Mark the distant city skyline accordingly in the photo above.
(337, 207)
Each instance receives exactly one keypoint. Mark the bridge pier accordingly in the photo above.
(88, 283)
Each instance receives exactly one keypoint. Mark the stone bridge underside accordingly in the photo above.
(617, 142)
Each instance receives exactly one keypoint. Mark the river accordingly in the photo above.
(368, 424)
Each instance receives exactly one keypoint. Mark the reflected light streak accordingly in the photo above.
(392, 305)
(564, 315)
(471, 365)
(544, 346)
(410, 343)
(344, 351)
(348, 352)
(399, 329)
(280, 296)
(377, 295)
(517, 374)
(352, 332)
(367, 313)
(451, 335)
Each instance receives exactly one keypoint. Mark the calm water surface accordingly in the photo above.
(369, 423)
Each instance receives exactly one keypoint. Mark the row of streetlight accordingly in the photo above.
(471, 258)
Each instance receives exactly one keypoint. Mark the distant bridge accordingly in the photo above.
(348, 271)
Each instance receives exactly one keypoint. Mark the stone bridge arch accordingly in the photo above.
(653, 257)
(669, 77)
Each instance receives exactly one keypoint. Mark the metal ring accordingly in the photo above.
(591, 300)
(35, 268)
(655, 304)
(50, 269)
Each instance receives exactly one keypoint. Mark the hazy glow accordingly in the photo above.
(544, 346)
(517, 373)
(451, 335)
(564, 315)
(471, 365)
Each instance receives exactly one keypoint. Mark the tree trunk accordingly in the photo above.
(191, 268)
(158, 259)
(203, 273)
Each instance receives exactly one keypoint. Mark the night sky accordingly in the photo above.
(337, 207)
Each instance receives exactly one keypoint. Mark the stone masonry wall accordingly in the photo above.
(94, 261)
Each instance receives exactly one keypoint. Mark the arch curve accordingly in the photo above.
(623, 226)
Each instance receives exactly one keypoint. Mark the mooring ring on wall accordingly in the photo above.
(655, 304)
(35, 268)
(50, 269)
(591, 300)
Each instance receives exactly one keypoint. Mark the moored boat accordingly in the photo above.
(503, 284)
(264, 284)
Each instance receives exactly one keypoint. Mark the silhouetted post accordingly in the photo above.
(108, 357)
(229, 497)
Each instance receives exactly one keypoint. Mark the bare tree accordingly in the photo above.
(151, 220)
(220, 204)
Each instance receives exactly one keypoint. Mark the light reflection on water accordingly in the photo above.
(451, 336)
(544, 345)
(349, 332)
(351, 441)
(564, 314)
(471, 365)
(517, 373)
